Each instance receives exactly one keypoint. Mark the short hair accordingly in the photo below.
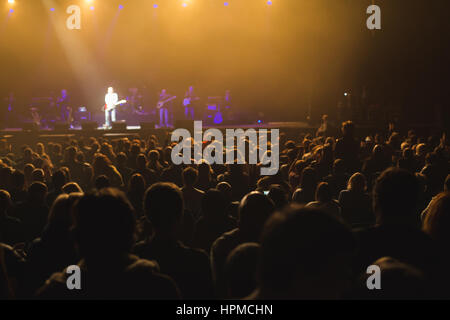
(278, 196)
(348, 128)
(5, 201)
(447, 183)
(214, 202)
(323, 192)
(254, 210)
(190, 176)
(300, 239)
(104, 223)
(163, 205)
(37, 190)
(38, 175)
(395, 195)
(436, 222)
(240, 269)
(72, 187)
(357, 182)
(18, 179)
(102, 182)
(59, 179)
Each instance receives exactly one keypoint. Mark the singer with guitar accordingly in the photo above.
(111, 102)
(163, 106)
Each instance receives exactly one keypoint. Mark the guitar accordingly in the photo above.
(112, 107)
(188, 101)
(161, 104)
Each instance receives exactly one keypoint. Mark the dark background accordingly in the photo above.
(279, 60)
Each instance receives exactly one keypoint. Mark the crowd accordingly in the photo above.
(139, 226)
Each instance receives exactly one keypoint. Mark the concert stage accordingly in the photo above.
(31, 134)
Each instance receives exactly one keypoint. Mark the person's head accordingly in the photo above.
(37, 192)
(447, 183)
(278, 195)
(163, 91)
(5, 201)
(254, 210)
(348, 129)
(70, 153)
(213, 204)
(71, 187)
(101, 163)
(305, 254)
(163, 206)
(378, 151)
(153, 156)
(399, 281)
(104, 225)
(38, 175)
(421, 150)
(240, 269)
(102, 182)
(357, 183)
(18, 180)
(141, 161)
(59, 179)
(436, 222)
(190, 176)
(308, 179)
(121, 159)
(40, 148)
(226, 190)
(395, 197)
(60, 216)
(323, 193)
(110, 90)
(28, 170)
(136, 184)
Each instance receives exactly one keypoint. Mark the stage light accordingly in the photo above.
(89, 1)
(11, 1)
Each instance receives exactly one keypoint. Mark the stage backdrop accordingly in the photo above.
(281, 59)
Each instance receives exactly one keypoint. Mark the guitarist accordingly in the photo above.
(111, 100)
(189, 103)
(164, 102)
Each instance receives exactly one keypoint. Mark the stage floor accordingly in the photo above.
(76, 129)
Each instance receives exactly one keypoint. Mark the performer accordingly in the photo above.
(62, 103)
(163, 105)
(189, 103)
(111, 101)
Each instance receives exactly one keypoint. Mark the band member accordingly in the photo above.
(64, 109)
(111, 100)
(164, 104)
(189, 103)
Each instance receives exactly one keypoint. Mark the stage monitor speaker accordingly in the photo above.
(89, 125)
(30, 126)
(61, 126)
(119, 125)
(148, 125)
(185, 124)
